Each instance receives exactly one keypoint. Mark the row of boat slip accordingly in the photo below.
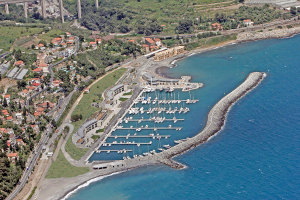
(157, 136)
(130, 119)
(156, 101)
(114, 150)
(126, 143)
(152, 89)
(141, 110)
(138, 129)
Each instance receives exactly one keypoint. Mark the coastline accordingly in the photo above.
(215, 122)
(251, 36)
(172, 62)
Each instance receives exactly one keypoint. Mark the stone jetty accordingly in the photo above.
(215, 120)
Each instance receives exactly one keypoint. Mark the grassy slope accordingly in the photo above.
(167, 12)
(8, 34)
(50, 35)
(86, 110)
(62, 168)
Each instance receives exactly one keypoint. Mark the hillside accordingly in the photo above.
(146, 16)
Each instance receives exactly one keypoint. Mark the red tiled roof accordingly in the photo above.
(19, 62)
(12, 155)
(149, 40)
(36, 84)
(9, 118)
(38, 69)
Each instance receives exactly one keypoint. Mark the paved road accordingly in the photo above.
(45, 136)
(50, 68)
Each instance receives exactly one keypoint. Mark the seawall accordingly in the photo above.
(215, 119)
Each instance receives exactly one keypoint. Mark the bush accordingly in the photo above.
(76, 117)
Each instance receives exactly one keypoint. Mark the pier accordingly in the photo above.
(118, 151)
(139, 136)
(127, 143)
(150, 128)
(149, 120)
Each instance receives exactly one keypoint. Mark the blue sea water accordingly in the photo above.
(256, 155)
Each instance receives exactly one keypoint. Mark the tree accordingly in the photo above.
(76, 117)
(185, 26)
(293, 10)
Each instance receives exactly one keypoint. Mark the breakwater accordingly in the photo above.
(215, 120)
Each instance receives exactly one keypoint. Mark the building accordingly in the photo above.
(87, 127)
(248, 22)
(13, 157)
(168, 53)
(216, 26)
(115, 91)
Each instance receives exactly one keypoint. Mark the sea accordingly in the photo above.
(255, 156)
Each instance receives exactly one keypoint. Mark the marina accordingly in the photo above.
(147, 126)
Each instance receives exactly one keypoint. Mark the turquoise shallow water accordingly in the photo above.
(256, 156)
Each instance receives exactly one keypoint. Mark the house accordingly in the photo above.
(24, 93)
(146, 48)
(56, 41)
(19, 63)
(98, 40)
(56, 83)
(36, 114)
(19, 115)
(7, 97)
(9, 118)
(248, 22)
(13, 157)
(158, 42)
(93, 44)
(38, 70)
(149, 41)
(20, 142)
(86, 90)
(216, 26)
(3, 131)
(5, 112)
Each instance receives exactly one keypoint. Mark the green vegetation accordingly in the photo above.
(206, 42)
(32, 193)
(100, 130)
(122, 99)
(142, 16)
(95, 137)
(128, 93)
(48, 36)
(93, 62)
(85, 109)
(62, 168)
(8, 34)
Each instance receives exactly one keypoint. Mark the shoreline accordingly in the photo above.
(168, 158)
(285, 33)
(215, 123)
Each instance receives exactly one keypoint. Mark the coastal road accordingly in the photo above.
(45, 136)
(32, 163)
